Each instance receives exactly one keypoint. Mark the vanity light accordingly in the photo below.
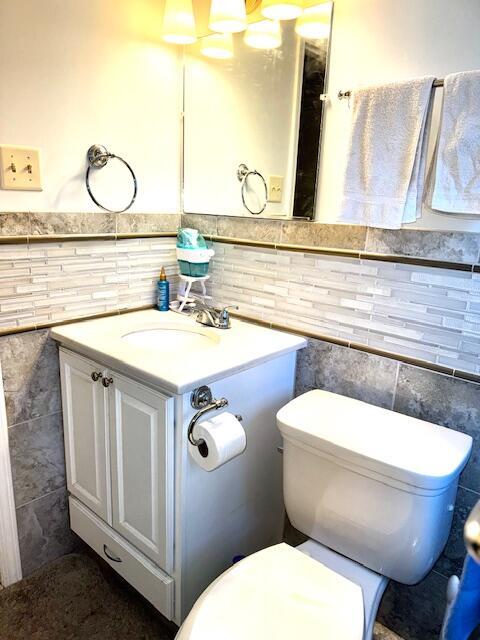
(218, 45)
(281, 9)
(179, 22)
(314, 23)
(265, 34)
(228, 16)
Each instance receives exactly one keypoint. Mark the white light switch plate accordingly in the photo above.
(275, 188)
(20, 169)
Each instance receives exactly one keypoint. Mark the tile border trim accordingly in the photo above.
(279, 246)
(423, 364)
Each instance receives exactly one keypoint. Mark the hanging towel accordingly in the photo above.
(463, 609)
(455, 178)
(384, 176)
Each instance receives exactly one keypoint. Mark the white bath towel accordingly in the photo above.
(384, 175)
(455, 178)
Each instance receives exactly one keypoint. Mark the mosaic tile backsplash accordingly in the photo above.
(422, 312)
(48, 282)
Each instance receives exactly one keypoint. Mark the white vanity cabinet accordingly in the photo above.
(137, 496)
(119, 452)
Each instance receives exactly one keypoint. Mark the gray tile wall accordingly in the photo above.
(31, 380)
(415, 613)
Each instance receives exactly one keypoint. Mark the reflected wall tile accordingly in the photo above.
(30, 375)
(436, 245)
(445, 401)
(346, 371)
(44, 530)
(38, 458)
(323, 235)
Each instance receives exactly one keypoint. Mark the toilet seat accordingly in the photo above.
(278, 593)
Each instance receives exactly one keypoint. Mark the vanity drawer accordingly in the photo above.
(139, 571)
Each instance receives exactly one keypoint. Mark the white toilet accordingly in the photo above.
(374, 490)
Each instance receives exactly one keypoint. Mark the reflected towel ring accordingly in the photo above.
(98, 157)
(242, 174)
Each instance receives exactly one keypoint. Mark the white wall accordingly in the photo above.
(377, 41)
(241, 110)
(78, 72)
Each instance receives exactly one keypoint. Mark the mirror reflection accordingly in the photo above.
(252, 119)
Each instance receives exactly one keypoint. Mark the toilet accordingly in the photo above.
(374, 491)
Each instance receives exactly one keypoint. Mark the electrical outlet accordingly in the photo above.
(20, 169)
(275, 188)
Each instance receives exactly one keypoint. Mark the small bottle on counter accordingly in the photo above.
(163, 287)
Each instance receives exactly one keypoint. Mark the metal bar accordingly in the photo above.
(439, 82)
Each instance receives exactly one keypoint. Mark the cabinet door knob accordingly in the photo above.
(96, 375)
(107, 382)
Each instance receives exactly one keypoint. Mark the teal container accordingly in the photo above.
(163, 292)
(193, 269)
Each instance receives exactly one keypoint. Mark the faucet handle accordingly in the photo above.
(224, 316)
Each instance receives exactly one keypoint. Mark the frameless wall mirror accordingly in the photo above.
(253, 117)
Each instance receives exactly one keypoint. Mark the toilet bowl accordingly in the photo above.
(374, 490)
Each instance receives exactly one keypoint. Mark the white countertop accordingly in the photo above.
(225, 352)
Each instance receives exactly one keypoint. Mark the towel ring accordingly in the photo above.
(242, 174)
(97, 157)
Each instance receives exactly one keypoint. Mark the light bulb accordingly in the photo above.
(314, 23)
(281, 9)
(227, 16)
(265, 34)
(218, 45)
(179, 22)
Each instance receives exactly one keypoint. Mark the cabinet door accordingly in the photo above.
(86, 432)
(141, 438)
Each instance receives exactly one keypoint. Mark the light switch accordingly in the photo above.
(275, 188)
(20, 169)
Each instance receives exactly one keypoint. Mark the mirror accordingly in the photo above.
(252, 126)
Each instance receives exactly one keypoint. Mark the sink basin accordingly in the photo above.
(168, 338)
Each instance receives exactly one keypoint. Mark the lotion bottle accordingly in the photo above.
(163, 287)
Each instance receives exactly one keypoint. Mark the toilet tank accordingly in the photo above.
(374, 485)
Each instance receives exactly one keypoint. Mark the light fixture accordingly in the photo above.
(179, 22)
(227, 16)
(281, 9)
(218, 45)
(314, 23)
(265, 34)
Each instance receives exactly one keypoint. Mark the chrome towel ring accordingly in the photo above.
(97, 157)
(243, 173)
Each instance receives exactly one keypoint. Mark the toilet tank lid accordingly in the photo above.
(406, 449)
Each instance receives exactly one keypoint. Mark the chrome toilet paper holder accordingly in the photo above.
(202, 399)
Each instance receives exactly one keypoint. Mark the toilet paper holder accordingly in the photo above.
(202, 399)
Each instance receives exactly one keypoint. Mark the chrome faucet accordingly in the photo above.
(213, 317)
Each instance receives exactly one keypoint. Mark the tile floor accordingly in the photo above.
(80, 598)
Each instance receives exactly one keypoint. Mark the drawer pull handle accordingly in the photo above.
(109, 555)
(107, 382)
(96, 375)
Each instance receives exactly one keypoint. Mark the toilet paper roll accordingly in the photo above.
(223, 437)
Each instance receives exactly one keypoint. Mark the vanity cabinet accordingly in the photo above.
(119, 452)
(136, 494)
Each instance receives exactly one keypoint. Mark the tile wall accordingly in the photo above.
(426, 313)
(51, 282)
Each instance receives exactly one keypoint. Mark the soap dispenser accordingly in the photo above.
(163, 287)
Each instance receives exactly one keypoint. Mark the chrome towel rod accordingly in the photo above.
(346, 94)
